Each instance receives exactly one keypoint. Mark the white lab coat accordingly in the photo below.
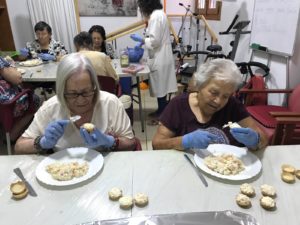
(161, 62)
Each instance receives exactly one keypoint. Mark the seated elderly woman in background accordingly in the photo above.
(10, 87)
(78, 94)
(101, 62)
(44, 47)
(99, 43)
(194, 120)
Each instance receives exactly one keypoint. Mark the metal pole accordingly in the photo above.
(197, 43)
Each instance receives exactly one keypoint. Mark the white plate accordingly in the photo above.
(251, 162)
(31, 62)
(80, 155)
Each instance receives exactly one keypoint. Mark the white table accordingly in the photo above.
(47, 73)
(170, 182)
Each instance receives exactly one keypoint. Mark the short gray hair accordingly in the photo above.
(70, 64)
(217, 69)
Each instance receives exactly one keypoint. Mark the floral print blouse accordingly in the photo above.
(55, 48)
(9, 91)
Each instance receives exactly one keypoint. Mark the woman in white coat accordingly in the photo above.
(158, 43)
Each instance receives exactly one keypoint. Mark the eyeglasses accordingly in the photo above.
(84, 94)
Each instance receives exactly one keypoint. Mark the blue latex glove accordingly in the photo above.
(53, 133)
(24, 52)
(246, 136)
(137, 37)
(138, 45)
(46, 56)
(198, 139)
(96, 138)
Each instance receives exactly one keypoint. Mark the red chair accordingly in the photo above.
(7, 118)
(138, 145)
(281, 124)
(110, 85)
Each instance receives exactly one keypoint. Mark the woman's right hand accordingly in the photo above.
(137, 37)
(198, 139)
(24, 52)
(53, 133)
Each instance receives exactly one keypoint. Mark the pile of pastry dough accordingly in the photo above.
(67, 171)
(225, 164)
(32, 62)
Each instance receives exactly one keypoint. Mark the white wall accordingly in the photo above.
(20, 22)
(23, 31)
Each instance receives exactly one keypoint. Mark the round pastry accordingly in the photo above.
(140, 199)
(18, 187)
(115, 193)
(247, 189)
(126, 202)
(268, 190)
(288, 177)
(267, 203)
(243, 201)
(89, 127)
(288, 168)
(21, 195)
(297, 173)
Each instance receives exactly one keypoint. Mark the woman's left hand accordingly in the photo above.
(137, 37)
(246, 136)
(97, 138)
(46, 56)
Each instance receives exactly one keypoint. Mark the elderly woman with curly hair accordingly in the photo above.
(195, 120)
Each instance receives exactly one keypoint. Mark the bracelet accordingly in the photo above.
(257, 147)
(37, 145)
(115, 144)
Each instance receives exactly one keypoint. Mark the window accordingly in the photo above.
(210, 9)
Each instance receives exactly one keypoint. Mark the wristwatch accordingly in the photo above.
(37, 146)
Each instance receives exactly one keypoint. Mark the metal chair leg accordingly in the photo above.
(8, 143)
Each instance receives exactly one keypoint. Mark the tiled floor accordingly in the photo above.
(149, 105)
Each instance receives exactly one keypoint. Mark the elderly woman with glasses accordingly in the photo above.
(78, 93)
(44, 47)
(195, 120)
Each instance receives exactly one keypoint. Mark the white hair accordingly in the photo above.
(217, 69)
(71, 64)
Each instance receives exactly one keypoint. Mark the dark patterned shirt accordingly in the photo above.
(55, 48)
(179, 118)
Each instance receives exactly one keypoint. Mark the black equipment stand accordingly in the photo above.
(238, 27)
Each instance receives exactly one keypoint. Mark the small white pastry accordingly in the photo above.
(267, 203)
(288, 177)
(288, 168)
(115, 193)
(247, 189)
(89, 127)
(268, 190)
(140, 199)
(243, 201)
(126, 202)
